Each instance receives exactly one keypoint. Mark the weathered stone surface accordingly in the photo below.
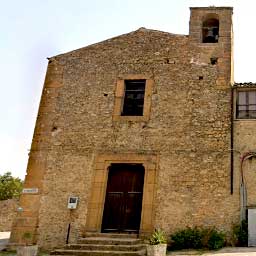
(183, 143)
(8, 211)
(156, 250)
(31, 250)
(245, 141)
(105, 245)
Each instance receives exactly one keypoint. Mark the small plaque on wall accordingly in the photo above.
(30, 190)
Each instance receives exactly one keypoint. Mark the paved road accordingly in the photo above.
(229, 251)
(4, 238)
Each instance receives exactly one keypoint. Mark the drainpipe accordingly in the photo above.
(232, 143)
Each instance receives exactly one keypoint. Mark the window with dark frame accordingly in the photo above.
(246, 105)
(134, 91)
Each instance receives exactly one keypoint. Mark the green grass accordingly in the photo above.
(9, 253)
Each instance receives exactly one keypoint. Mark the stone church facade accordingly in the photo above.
(145, 130)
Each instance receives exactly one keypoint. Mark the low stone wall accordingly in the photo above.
(7, 213)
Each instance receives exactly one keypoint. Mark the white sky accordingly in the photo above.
(35, 29)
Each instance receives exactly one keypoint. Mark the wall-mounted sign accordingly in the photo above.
(30, 190)
(72, 202)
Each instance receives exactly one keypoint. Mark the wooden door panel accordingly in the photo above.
(113, 211)
(123, 202)
(131, 220)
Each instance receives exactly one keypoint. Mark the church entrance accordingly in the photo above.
(123, 201)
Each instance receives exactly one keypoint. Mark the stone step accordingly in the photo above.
(108, 241)
(109, 235)
(98, 253)
(104, 247)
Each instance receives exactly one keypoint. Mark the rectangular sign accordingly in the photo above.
(72, 202)
(30, 190)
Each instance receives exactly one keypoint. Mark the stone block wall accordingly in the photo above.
(8, 212)
(187, 128)
(245, 141)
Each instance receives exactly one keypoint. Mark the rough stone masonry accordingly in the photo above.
(182, 139)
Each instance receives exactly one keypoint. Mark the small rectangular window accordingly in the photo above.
(134, 91)
(246, 105)
(133, 96)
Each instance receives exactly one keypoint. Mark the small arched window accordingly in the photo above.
(210, 30)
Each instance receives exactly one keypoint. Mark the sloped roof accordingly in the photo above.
(139, 31)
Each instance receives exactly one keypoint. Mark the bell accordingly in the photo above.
(210, 37)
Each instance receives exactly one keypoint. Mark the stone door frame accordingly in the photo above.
(99, 186)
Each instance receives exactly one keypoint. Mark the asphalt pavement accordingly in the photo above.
(4, 238)
(227, 251)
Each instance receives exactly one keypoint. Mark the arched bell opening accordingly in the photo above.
(210, 30)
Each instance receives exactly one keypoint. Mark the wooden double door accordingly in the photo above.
(123, 202)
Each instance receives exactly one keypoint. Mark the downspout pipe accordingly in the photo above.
(232, 142)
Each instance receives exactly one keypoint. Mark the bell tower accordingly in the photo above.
(211, 36)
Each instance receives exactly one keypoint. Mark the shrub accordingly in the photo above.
(27, 237)
(10, 187)
(240, 233)
(158, 237)
(198, 238)
(187, 238)
(216, 240)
